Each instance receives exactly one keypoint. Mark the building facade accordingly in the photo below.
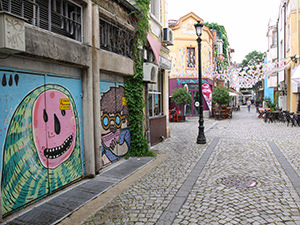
(288, 51)
(184, 55)
(270, 81)
(63, 66)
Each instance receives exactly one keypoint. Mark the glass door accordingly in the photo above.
(193, 108)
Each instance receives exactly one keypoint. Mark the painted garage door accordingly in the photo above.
(40, 135)
(114, 119)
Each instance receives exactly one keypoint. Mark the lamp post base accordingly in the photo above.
(201, 139)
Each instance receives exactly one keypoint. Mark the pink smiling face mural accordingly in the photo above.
(54, 130)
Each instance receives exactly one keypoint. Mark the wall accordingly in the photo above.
(184, 34)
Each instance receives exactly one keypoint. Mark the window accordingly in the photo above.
(190, 58)
(58, 16)
(115, 38)
(155, 97)
(155, 8)
(274, 39)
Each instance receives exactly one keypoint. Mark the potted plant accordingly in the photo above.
(181, 97)
(221, 97)
(270, 104)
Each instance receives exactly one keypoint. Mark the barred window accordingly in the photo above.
(115, 38)
(58, 16)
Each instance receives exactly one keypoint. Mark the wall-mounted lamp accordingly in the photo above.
(295, 58)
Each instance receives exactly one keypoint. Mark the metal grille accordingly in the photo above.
(59, 16)
(115, 39)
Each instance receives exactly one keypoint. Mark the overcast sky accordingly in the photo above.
(246, 21)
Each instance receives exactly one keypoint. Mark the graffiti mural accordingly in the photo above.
(41, 151)
(114, 113)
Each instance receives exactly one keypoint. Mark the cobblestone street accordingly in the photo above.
(247, 173)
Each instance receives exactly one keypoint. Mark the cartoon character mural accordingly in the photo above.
(41, 149)
(115, 132)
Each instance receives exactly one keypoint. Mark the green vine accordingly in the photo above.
(134, 84)
(221, 33)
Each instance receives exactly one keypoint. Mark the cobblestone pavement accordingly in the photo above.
(240, 181)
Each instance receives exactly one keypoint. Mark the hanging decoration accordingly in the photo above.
(245, 77)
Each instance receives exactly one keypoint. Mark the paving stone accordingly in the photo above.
(241, 154)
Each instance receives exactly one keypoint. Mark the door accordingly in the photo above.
(193, 108)
(40, 135)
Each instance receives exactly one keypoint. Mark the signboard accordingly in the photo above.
(124, 102)
(64, 104)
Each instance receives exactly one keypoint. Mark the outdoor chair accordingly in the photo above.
(217, 113)
(268, 117)
(281, 117)
(296, 118)
(260, 112)
(290, 118)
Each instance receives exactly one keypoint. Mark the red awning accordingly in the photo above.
(155, 46)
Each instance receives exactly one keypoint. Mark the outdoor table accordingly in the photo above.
(275, 115)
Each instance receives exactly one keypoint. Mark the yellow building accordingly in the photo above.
(184, 56)
(292, 47)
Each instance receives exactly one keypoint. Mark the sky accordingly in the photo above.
(246, 21)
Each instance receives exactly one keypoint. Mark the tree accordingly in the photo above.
(181, 97)
(253, 58)
(221, 96)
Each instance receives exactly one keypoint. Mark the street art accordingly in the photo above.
(115, 132)
(41, 151)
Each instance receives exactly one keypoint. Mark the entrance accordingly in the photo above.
(194, 107)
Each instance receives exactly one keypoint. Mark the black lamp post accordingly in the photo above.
(201, 137)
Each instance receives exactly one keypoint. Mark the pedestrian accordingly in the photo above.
(173, 111)
(249, 104)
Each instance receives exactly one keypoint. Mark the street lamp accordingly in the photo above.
(201, 137)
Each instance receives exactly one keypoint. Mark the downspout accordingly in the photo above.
(297, 28)
(298, 52)
(277, 49)
(284, 45)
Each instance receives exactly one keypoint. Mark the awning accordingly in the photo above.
(233, 94)
(296, 75)
(155, 46)
(277, 70)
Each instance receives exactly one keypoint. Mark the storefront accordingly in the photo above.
(191, 84)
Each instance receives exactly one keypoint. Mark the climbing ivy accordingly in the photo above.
(221, 33)
(134, 84)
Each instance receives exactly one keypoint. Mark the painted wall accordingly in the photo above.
(184, 37)
(114, 120)
(40, 135)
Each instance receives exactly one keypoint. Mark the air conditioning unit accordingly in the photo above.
(12, 33)
(150, 72)
(168, 36)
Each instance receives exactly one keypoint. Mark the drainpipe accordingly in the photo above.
(297, 28)
(298, 52)
(277, 49)
(284, 44)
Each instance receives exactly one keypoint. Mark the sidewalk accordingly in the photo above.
(61, 205)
